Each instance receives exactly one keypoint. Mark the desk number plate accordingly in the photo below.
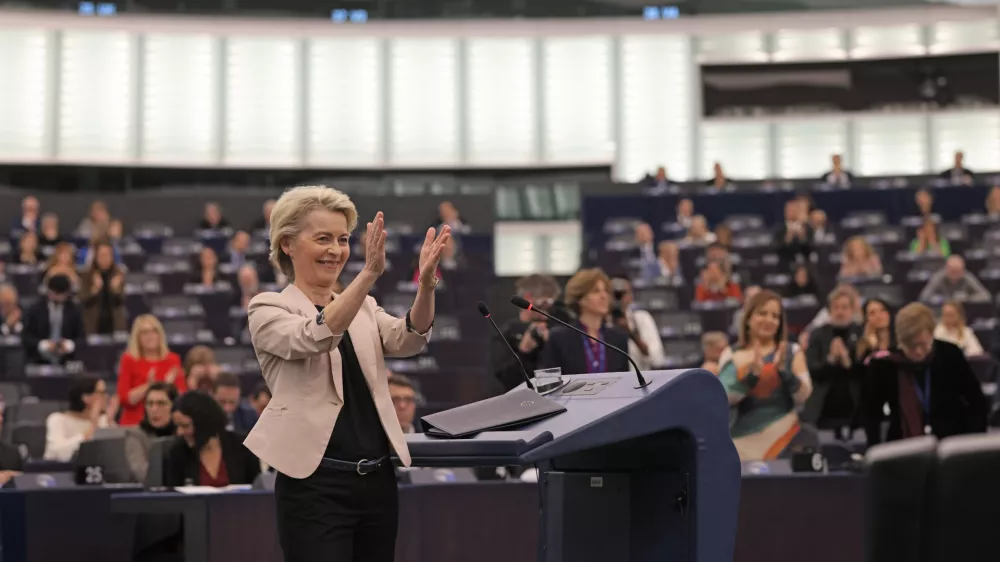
(596, 482)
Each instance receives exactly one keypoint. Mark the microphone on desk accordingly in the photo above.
(485, 311)
(523, 303)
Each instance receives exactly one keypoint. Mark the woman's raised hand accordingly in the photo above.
(375, 245)
(430, 253)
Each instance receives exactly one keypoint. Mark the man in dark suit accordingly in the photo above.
(53, 327)
(404, 399)
(794, 236)
(11, 462)
(958, 174)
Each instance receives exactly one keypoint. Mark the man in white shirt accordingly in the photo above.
(644, 344)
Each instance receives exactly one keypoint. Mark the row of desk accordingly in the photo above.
(791, 517)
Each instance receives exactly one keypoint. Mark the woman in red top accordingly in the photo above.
(715, 285)
(145, 361)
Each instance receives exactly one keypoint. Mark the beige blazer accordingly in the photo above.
(301, 364)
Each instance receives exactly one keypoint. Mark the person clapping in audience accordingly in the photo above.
(928, 243)
(156, 423)
(795, 236)
(89, 410)
(588, 296)
(206, 271)
(953, 329)
(954, 282)
(765, 381)
(698, 234)
(102, 293)
(146, 360)
(205, 454)
(928, 384)
(28, 252)
(858, 259)
(878, 336)
(838, 176)
(11, 323)
(715, 284)
(669, 260)
(830, 356)
(53, 326)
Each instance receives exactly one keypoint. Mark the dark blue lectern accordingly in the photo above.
(626, 474)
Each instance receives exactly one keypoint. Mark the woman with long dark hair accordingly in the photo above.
(877, 337)
(102, 293)
(205, 454)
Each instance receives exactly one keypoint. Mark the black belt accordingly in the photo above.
(362, 467)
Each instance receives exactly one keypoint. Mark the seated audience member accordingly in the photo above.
(645, 244)
(838, 176)
(718, 252)
(448, 216)
(240, 417)
(928, 384)
(157, 422)
(63, 262)
(28, 252)
(953, 329)
(588, 297)
(958, 174)
(924, 200)
(206, 271)
(404, 399)
(660, 182)
(821, 232)
(802, 283)
(212, 218)
(201, 368)
(993, 203)
(11, 319)
(954, 282)
(27, 221)
(928, 243)
(85, 255)
(715, 285)
(205, 454)
(719, 179)
(53, 326)
(698, 234)
(830, 356)
(669, 260)
(146, 360)
(822, 317)
(98, 217)
(102, 293)
(858, 259)
(264, 222)
(765, 381)
(11, 463)
(794, 236)
(528, 334)
(247, 286)
(715, 351)
(238, 248)
(48, 234)
(685, 213)
(644, 345)
(877, 336)
(724, 236)
(89, 410)
(259, 398)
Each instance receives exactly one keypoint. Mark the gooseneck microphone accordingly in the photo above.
(521, 302)
(485, 311)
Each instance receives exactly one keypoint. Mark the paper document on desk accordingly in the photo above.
(211, 489)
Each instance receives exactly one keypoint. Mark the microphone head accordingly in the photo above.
(520, 302)
(483, 309)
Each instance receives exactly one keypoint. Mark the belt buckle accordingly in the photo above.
(358, 468)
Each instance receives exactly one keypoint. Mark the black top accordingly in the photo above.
(957, 404)
(358, 433)
(565, 349)
(182, 464)
(836, 391)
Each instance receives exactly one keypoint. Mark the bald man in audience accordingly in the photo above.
(954, 282)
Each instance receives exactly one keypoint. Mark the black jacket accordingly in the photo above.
(37, 328)
(836, 393)
(957, 404)
(790, 252)
(565, 349)
(10, 458)
(182, 463)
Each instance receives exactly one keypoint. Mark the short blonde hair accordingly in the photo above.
(582, 283)
(293, 205)
(913, 320)
(134, 349)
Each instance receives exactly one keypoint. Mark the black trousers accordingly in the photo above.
(338, 516)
